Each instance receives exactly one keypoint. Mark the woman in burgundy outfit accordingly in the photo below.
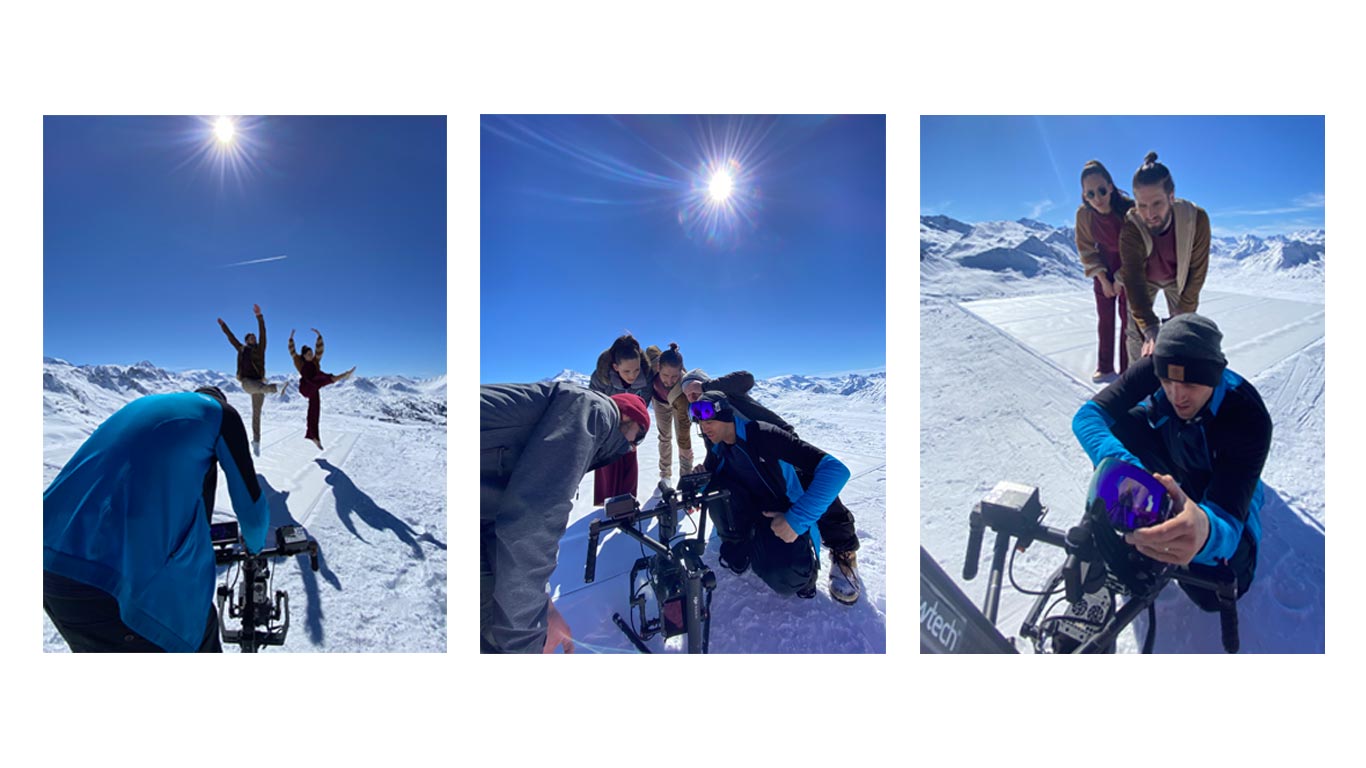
(312, 379)
(1099, 221)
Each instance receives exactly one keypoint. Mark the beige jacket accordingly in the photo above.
(1192, 261)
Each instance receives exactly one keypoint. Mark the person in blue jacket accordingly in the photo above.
(127, 559)
(771, 523)
(1205, 434)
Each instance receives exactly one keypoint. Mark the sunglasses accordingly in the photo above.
(702, 410)
(1097, 192)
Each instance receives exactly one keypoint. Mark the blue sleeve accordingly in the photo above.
(1225, 531)
(826, 484)
(249, 503)
(1091, 425)
(253, 515)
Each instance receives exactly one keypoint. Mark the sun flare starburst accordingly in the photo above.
(720, 186)
(224, 130)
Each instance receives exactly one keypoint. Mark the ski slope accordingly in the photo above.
(1000, 382)
(747, 617)
(375, 500)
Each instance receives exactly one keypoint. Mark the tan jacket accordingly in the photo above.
(1192, 261)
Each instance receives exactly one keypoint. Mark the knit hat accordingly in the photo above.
(695, 375)
(1188, 350)
(633, 408)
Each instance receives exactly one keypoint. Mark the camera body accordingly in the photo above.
(670, 588)
(1100, 566)
(246, 591)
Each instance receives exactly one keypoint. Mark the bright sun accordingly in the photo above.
(223, 130)
(720, 186)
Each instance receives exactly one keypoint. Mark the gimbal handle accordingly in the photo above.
(976, 528)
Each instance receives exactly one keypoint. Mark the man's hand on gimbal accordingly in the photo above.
(780, 527)
(557, 631)
(1178, 540)
(695, 470)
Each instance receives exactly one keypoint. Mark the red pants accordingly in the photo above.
(621, 476)
(1105, 327)
(309, 389)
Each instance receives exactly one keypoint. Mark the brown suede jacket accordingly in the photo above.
(1192, 262)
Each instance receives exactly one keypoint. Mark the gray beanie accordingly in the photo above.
(1188, 350)
(698, 375)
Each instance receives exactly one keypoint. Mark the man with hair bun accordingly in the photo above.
(1164, 246)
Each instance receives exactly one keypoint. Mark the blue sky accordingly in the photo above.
(143, 218)
(591, 226)
(1259, 175)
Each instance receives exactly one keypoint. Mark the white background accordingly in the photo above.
(461, 60)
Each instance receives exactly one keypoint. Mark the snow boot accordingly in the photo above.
(845, 584)
(256, 448)
(735, 556)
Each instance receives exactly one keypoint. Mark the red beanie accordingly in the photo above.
(634, 409)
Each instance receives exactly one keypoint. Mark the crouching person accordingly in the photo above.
(536, 442)
(771, 523)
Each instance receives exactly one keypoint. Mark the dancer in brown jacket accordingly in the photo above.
(312, 379)
(251, 372)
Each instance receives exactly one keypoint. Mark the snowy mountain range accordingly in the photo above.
(87, 394)
(866, 386)
(966, 260)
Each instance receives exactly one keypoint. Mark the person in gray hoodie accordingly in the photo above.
(836, 525)
(536, 442)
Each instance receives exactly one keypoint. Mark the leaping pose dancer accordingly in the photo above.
(312, 379)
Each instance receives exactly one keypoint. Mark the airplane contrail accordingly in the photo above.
(255, 261)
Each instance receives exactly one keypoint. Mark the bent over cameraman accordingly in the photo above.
(1205, 432)
(127, 559)
(536, 442)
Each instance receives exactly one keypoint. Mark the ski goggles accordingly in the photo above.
(704, 410)
(1132, 497)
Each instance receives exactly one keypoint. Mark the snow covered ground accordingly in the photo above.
(375, 498)
(1002, 378)
(846, 417)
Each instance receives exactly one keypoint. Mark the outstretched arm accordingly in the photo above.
(318, 348)
(237, 345)
(261, 327)
(733, 384)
